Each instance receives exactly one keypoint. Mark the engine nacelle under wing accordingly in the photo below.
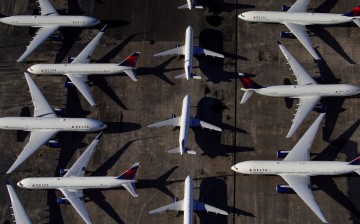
(61, 200)
(54, 143)
(282, 153)
(283, 189)
(69, 84)
(285, 8)
(62, 172)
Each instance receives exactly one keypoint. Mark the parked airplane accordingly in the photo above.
(73, 182)
(184, 121)
(308, 91)
(190, 5)
(78, 70)
(20, 215)
(49, 21)
(296, 169)
(44, 124)
(296, 18)
(188, 204)
(188, 50)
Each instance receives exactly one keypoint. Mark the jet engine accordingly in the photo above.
(285, 8)
(69, 84)
(60, 111)
(62, 172)
(54, 143)
(282, 153)
(285, 34)
(57, 37)
(61, 200)
(283, 189)
(172, 115)
(320, 108)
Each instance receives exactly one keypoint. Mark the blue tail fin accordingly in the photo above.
(355, 161)
(354, 12)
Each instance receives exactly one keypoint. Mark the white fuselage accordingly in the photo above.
(296, 91)
(303, 18)
(307, 168)
(51, 124)
(71, 182)
(43, 21)
(188, 200)
(190, 4)
(188, 52)
(184, 124)
(85, 69)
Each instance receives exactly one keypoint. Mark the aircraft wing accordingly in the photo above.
(85, 55)
(199, 50)
(41, 35)
(301, 185)
(177, 206)
(76, 200)
(37, 139)
(80, 81)
(175, 51)
(299, 6)
(306, 105)
(201, 206)
(171, 122)
(41, 106)
(47, 9)
(302, 76)
(20, 214)
(301, 151)
(194, 122)
(301, 34)
(78, 169)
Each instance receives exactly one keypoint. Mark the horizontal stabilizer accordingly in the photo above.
(357, 171)
(186, 6)
(176, 150)
(357, 22)
(131, 74)
(183, 76)
(131, 188)
(246, 96)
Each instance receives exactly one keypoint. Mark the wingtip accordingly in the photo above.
(104, 28)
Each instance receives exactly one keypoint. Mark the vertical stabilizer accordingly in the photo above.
(354, 12)
(248, 83)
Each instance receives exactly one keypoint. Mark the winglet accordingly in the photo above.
(130, 173)
(104, 28)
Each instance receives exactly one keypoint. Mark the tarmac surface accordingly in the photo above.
(254, 131)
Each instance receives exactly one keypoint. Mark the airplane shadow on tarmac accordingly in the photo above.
(327, 184)
(210, 110)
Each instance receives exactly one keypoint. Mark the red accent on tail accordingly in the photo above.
(356, 11)
(130, 173)
(249, 84)
(131, 60)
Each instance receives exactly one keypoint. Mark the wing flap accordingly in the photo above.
(41, 35)
(301, 151)
(37, 139)
(174, 51)
(177, 206)
(305, 107)
(199, 51)
(171, 122)
(302, 76)
(301, 34)
(201, 206)
(80, 81)
(41, 106)
(47, 9)
(78, 169)
(86, 53)
(299, 6)
(301, 185)
(76, 200)
(19, 212)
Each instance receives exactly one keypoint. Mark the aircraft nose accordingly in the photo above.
(234, 168)
(30, 69)
(20, 184)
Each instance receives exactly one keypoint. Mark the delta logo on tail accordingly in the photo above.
(354, 12)
(130, 173)
(355, 161)
(131, 60)
(249, 84)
